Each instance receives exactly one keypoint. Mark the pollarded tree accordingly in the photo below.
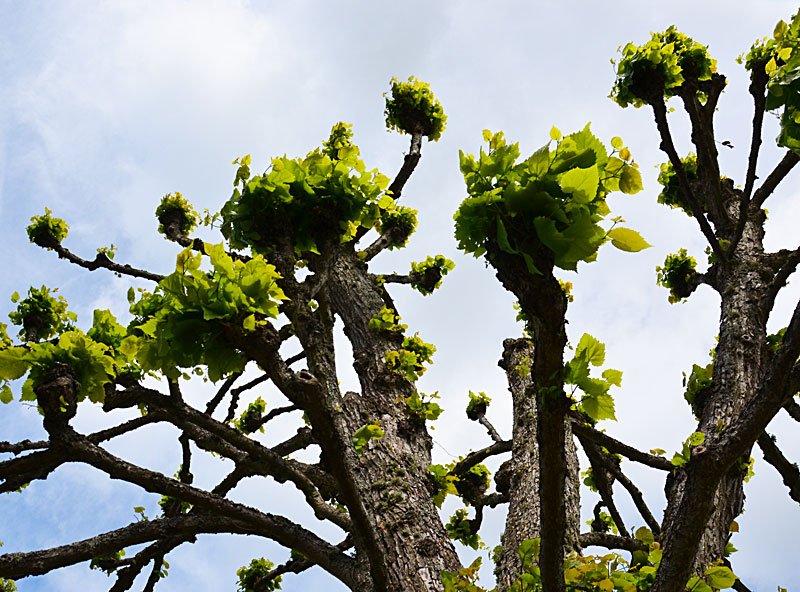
(292, 262)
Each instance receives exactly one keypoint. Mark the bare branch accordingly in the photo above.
(615, 446)
(101, 260)
(611, 541)
(667, 145)
(758, 85)
(788, 471)
(783, 168)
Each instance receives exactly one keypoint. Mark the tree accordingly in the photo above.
(290, 265)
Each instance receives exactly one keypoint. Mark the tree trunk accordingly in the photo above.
(410, 547)
(519, 476)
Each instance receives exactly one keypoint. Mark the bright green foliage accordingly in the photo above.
(464, 580)
(779, 58)
(93, 364)
(682, 457)
(428, 271)
(774, 340)
(250, 420)
(41, 315)
(459, 528)
(423, 406)
(341, 138)
(603, 573)
(477, 404)
(363, 435)
(7, 585)
(184, 320)
(397, 223)
(547, 207)
(409, 359)
(698, 381)
(595, 402)
(47, 231)
(310, 201)
(678, 268)
(671, 193)
(444, 482)
(657, 69)
(412, 108)
(95, 357)
(387, 320)
(174, 206)
(253, 574)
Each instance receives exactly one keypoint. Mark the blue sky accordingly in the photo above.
(107, 106)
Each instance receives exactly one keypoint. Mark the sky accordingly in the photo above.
(107, 106)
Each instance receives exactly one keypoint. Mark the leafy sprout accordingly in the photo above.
(412, 108)
(47, 231)
(176, 216)
(647, 73)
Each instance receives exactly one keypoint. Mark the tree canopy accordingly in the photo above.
(248, 332)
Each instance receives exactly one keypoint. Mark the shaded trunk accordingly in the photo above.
(519, 476)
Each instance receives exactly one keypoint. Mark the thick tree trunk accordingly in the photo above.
(519, 476)
(410, 547)
(738, 372)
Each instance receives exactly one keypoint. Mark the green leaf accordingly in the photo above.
(630, 180)
(616, 142)
(696, 438)
(249, 323)
(628, 240)
(613, 376)
(599, 407)
(581, 183)
(591, 349)
(645, 535)
(695, 584)
(12, 364)
(555, 133)
(6, 396)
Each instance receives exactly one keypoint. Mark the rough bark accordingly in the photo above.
(392, 475)
(518, 480)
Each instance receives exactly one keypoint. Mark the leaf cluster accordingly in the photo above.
(183, 322)
(310, 202)
(175, 210)
(657, 69)
(412, 108)
(778, 57)
(596, 402)
(250, 420)
(47, 231)
(459, 528)
(423, 406)
(674, 275)
(409, 360)
(671, 193)
(41, 315)
(428, 274)
(254, 575)
(547, 208)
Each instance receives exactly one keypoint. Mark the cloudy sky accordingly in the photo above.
(107, 106)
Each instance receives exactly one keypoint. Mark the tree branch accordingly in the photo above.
(611, 541)
(783, 168)
(667, 145)
(615, 446)
(787, 470)
(101, 260)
